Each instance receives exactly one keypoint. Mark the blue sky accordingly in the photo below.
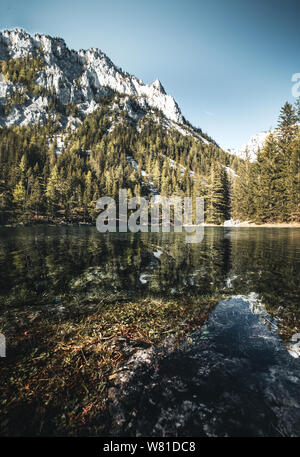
(228, 63)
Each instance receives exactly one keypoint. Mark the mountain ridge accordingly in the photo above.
(78, 77)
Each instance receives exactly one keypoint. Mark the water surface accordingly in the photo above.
(257, 269)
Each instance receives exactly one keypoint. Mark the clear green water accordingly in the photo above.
(43, 266)
(50, 269)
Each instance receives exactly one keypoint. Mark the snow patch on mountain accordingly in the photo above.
(251, 148)
(82, 76)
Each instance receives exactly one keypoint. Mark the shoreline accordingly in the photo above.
(90, 224)
(269, 224)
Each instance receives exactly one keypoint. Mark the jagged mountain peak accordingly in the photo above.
(62, 80)
(158, 85)
(81, 75)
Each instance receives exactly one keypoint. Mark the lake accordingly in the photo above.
(236, 374)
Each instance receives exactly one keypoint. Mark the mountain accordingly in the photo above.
(255, 143)
(74, 127)
(77, 78)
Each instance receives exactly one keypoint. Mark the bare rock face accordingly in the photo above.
(75, 77)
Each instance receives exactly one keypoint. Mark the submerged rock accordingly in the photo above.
(234, 377)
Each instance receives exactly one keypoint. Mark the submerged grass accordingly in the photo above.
(55, 378)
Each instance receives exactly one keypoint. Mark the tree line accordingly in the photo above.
(268, 189)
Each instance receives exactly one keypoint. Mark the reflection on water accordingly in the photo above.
(40, 266)
(52, 268)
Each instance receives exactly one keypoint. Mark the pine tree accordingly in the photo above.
(243, 190)
(52, 190)
(270, 196)
(19, 194)
(35, 199)
(216, 209)
(286, 122)
(293, 181)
